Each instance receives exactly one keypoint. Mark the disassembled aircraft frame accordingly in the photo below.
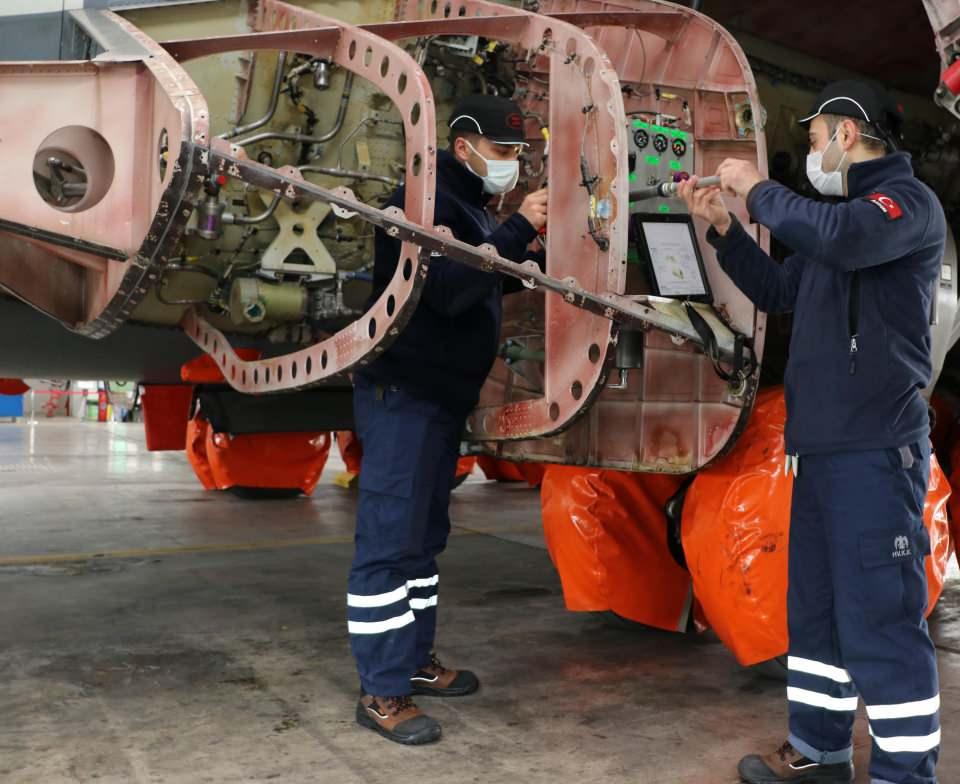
(99, 257)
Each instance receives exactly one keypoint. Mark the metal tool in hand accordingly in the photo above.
(668, 190)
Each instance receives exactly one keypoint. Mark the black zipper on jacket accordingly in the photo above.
(853, 318)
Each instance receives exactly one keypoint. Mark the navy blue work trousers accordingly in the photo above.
(410, 451)
(856, 603)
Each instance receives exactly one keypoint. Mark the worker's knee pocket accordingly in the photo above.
(891, 585)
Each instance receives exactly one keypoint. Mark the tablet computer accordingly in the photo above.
(668, 245)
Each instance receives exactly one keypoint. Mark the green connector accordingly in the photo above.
(653, 160)
(632, 177)
(675, 165)
(664, 208)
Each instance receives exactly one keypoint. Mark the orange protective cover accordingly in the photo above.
(607, 536)
(273, 460)
(736, 528)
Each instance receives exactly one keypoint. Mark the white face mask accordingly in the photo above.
(827, 183)
(502, 176)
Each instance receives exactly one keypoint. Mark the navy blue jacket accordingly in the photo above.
(860, 287)
(447, 349)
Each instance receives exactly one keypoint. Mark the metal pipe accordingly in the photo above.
(271, 110)
(303, 138)
(246, 220)
(348, 174)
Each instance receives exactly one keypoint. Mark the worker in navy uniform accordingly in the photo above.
(860, 282)
(411, 406)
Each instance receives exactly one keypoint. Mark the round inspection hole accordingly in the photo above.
(416, 164)
(594, 353)
(385, 66)
(368, 56)
(309, 367)
(243, 377)
(462, 11)
(197, 332)
(293, 370)
(266, 376)
(73, 168)
(256, 376)
(554, 411)
(216, 346)
(372, 328)
(223, 359)
(323, 360)
(447, 10)
(433, 6)
(576, 390)
(206, 340)
(589, 66)
(548, 35)
(571, 49)
(415, 114)
(163, 153)
(298, 229)
(279, 373)
(233, 373)
(407, 268)
(402, 84)
(391, 305)
(352, 51)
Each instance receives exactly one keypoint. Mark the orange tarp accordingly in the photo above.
(265, 460)
(736, 528)
(607, 536)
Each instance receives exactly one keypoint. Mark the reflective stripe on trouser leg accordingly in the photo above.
(395, 432)
(403, 441)
(873, 504)
(821, 695)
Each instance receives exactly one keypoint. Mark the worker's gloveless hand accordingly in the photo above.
(738, 177)
(534, 208)
(706, 203)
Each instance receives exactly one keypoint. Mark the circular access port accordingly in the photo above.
(641, 138)
(660, 143)
(679, 147)
(73, 168)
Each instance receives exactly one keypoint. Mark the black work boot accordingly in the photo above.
(397, 719)
(787, 764)
(435, 680)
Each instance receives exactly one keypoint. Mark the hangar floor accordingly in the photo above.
(153, 632)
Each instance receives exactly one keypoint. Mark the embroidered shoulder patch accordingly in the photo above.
(887, 205)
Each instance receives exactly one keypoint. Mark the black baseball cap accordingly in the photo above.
(498, 119)
(862, 100)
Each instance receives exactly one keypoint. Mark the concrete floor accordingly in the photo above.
(153, 632)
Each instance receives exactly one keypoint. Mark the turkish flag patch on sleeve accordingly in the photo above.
(887, 205)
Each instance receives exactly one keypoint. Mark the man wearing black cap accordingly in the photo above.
(857, 435)
(410, 407)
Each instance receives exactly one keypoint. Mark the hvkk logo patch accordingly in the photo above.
(887, 205)
(515, 121)
(901, 547)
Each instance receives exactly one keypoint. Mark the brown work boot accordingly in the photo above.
(435, 680)
(397, 719)
(787, 764)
